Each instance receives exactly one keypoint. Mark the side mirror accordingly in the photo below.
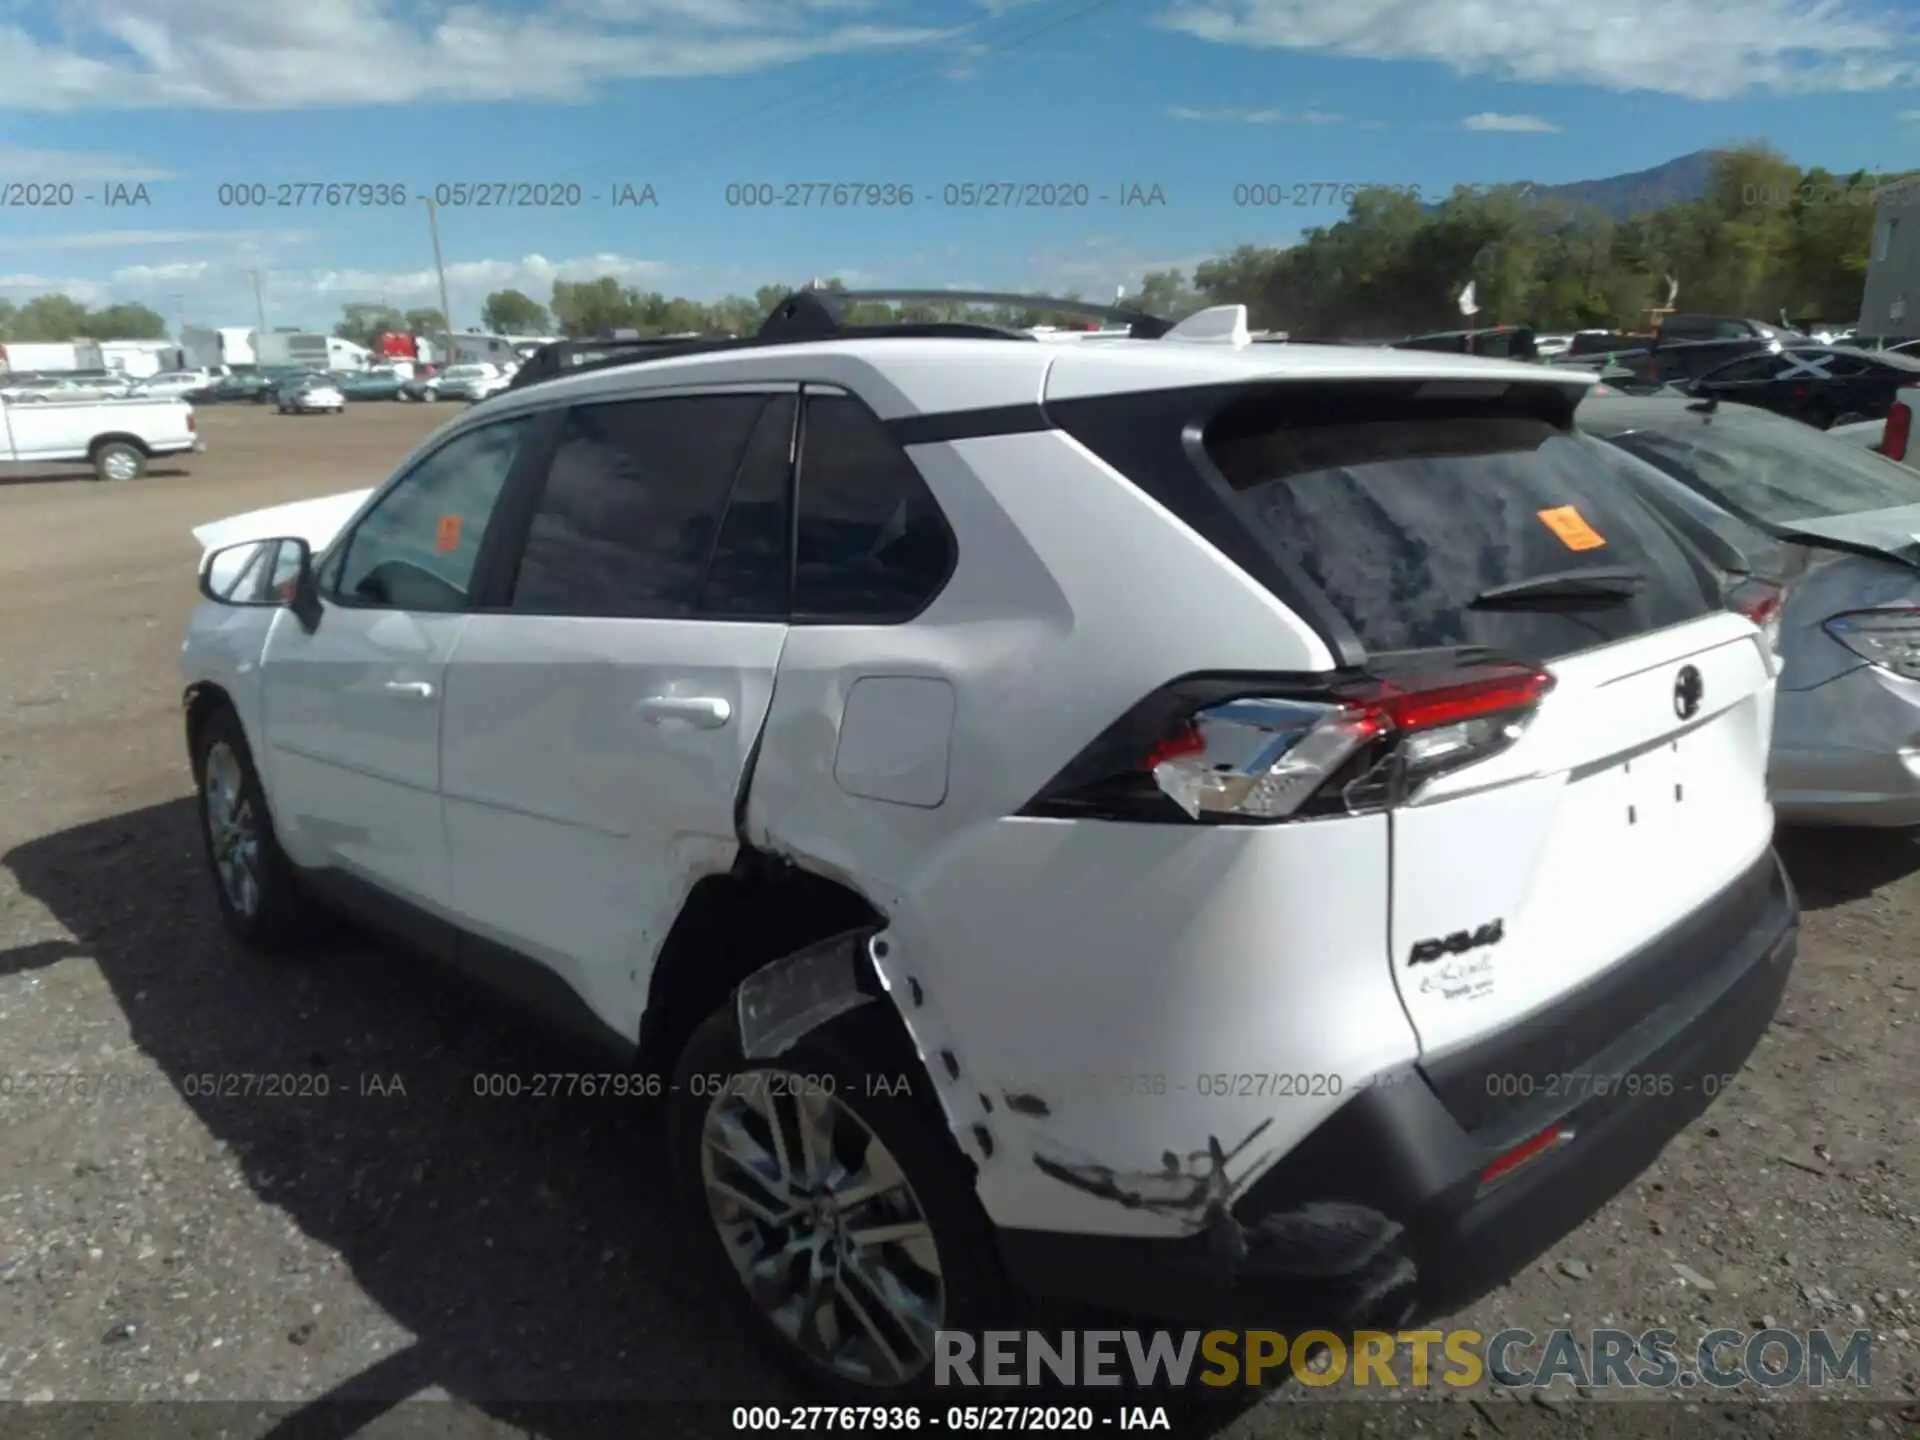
(264, 574)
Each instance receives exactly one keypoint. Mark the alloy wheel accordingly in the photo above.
(823, 1227)
(233, 831)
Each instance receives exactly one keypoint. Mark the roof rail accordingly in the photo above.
(814, 314)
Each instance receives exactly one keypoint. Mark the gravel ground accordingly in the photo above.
(382, 1233)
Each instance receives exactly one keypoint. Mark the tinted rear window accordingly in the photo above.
(1406, 521)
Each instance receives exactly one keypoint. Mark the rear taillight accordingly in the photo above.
(1238, 751)
(1893, 443)
(1888, 638)
(1761, 601)
(192, 424)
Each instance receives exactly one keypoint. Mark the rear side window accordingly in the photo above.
(872, 545)
(1413, 523)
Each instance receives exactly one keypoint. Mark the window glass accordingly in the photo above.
(630, 511)
(872, 543)
(1774, 470)
(748, 573)
(1414, 525)
(1753, 367)
(417, 547)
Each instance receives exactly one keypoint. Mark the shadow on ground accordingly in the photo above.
(1832, 866)
(77, 473)
(530, 1246)
(527, 1244)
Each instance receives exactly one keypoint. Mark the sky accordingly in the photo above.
(174, 153)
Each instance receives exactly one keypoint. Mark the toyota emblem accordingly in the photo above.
(1688, 690)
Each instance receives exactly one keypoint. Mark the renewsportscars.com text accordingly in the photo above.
(1382, 1359)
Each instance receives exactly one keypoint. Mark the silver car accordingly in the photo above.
(1840, 526)
(319, 395)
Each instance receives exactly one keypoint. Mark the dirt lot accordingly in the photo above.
(401, 1237)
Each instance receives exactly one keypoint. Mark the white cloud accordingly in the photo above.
(241, 240)
(73, 167)
(245, 54)
(1701, 49)
(1912, 117)
(1235, 116)
(1510, 124)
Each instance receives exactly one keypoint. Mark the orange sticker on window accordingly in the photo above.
(1572, 528)
(447, 537)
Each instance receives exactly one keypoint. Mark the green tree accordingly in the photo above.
(511, 312)
(50, 318)
(363, 323)
(125, 322)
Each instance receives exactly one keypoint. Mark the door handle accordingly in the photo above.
(411, 689)
(705, 712)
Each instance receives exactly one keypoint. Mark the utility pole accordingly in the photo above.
(259, 305)
(440, 269)
(179, 312)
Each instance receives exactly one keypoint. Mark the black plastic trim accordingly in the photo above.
(936, 429)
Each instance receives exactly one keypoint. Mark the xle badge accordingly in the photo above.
(1459, 943)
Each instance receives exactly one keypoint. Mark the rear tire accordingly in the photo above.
(872, 1199)
(119, 461)
(256, 887)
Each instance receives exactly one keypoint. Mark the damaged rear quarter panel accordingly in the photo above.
(1107, 978)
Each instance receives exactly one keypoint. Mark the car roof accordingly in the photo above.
(906, 376)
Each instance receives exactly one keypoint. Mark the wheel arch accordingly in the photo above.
(117, 437)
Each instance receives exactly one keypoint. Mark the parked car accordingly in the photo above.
(423, 386)
(1685, 328)
(65, 389)
(1505, 342)
(173, 384)
(275, 378)
(310, 395)
(1822, 385)
(238, 386)
(117, 438)
(370, 385)
(1434, 764)
(1839, 523)
(470, 382)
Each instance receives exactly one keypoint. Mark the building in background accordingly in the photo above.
(228, 347)
(137, 359)
(54, 358)
(1887, 307)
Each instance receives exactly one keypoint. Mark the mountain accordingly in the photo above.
(1623, 196)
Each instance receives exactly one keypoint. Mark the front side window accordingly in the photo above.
(417, 548)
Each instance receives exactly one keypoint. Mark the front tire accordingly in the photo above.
(254, 883)
(831, 1204)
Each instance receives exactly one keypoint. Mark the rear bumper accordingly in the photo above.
(1381, 1216)
(1848, 752)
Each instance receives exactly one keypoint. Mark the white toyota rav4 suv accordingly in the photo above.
(1256, 834)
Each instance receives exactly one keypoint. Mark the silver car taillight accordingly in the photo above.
(1887, 638)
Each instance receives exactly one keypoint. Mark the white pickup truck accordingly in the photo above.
(116, 437)
(1893, 436)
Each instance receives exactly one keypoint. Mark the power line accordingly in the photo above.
(781, 127)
